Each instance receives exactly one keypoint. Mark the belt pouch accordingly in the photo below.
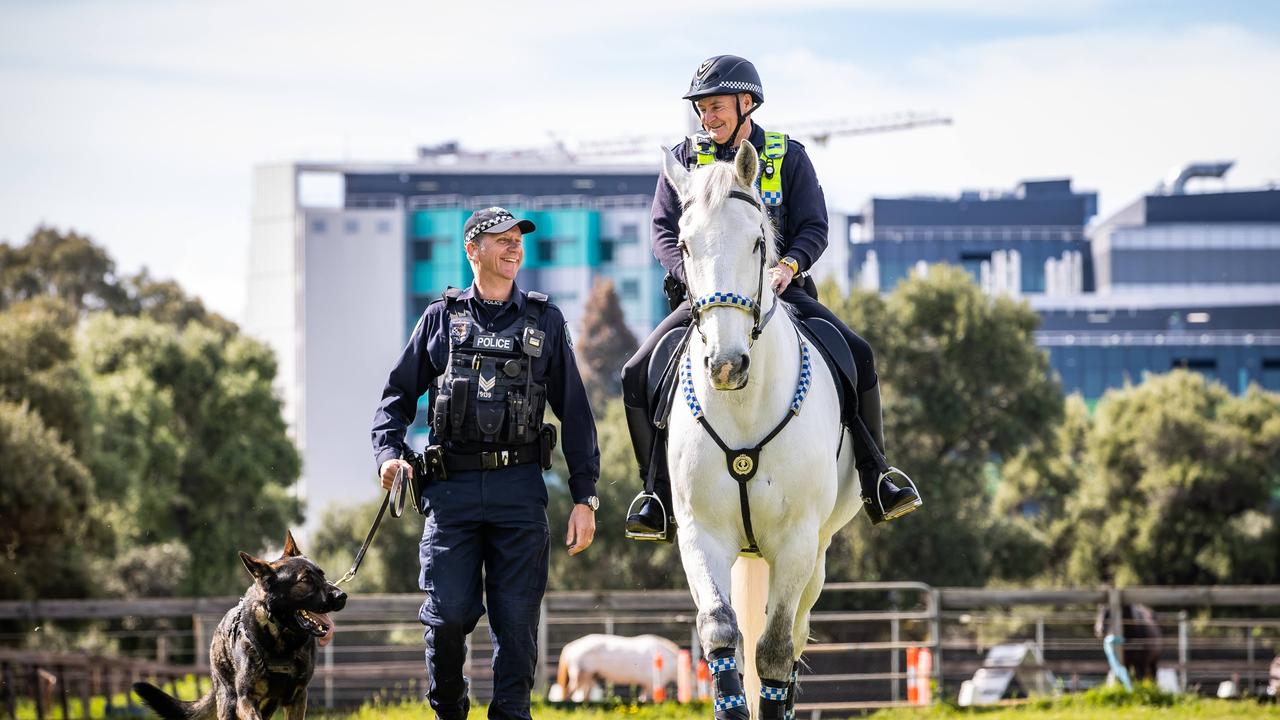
(458, 396)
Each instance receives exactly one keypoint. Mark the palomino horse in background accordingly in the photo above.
(757, 466)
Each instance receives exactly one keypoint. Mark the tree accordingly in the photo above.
(1180, 487)
(963, 387)
(38, 367)
(188, 442)
(391, 563)
(46, 522)
(604, 345)
(65, 266)
(628, 564)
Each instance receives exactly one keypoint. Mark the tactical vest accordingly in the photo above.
(487, 395)
(701, 150)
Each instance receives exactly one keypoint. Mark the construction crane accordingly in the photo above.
(814, 132)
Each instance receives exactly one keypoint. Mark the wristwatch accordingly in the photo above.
(791, 263)
(590, 501)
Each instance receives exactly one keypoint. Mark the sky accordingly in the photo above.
(139, 122)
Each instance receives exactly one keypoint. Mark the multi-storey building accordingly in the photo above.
(1175, 279)
(344, 258)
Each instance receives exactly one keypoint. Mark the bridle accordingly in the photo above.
(731, 299)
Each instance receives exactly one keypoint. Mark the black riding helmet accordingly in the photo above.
(726, 75)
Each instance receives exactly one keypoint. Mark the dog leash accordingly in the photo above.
(397, 490)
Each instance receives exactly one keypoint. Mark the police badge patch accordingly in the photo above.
(459, 329)
(568, 338)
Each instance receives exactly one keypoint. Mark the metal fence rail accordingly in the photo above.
(857, 659)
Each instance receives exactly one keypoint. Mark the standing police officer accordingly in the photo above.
(489, 358)
(724, 92)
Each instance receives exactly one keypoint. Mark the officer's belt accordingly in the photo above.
(493, 460)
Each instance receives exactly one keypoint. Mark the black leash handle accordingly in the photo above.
(396, 491)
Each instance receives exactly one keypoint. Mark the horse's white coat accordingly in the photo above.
(614, 659)
(802, 492)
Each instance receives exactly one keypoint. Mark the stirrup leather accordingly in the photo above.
(909, 507)
(660, 535)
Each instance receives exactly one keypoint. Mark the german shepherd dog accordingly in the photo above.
(264, 651)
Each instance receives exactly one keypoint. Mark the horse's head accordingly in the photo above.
(727, 242)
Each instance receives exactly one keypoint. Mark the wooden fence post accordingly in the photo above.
(37, 692)
(10, 695)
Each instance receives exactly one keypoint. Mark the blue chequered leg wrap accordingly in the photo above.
(773, 698)
(730, 702)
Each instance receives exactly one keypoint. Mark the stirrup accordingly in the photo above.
(660, 535)
(908, 508)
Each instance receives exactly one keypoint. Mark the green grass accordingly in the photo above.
(1144, 702)
(98, 703)
(411, 710)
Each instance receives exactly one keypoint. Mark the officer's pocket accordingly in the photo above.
(538, 577)
(426, 550)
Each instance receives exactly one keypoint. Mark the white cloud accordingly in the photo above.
(1114, 110)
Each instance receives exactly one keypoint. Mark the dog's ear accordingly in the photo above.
(290, 547)
(259, 569)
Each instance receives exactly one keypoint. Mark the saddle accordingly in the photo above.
(663, 371)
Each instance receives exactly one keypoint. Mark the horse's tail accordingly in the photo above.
(562, 676)
(749, 597)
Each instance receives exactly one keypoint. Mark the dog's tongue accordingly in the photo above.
(328, 635)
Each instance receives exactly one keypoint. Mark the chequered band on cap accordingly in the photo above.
(500, 216)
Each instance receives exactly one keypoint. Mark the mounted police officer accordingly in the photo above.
(489, 358)
(725, 91)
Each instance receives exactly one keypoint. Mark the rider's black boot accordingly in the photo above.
(882, 499)
(730, 703)
(647, 523)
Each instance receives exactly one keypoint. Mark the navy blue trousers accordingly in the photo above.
(485, 540)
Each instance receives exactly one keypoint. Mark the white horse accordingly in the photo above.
(622, 661)
(782, 432)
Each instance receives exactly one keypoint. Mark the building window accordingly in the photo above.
(383, 227)
(630, 232)
(319, 226)
(422, 249)
(606, 250)
(351, 226)
(1271, 374)
(546, 250)
(630, 288)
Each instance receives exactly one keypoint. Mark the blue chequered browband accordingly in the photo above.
(730, 701)
(725, 663)
(773, 693)
(724, 298)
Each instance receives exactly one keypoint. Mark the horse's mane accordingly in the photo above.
(710, 188)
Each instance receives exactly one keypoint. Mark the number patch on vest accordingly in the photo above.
(487, 341)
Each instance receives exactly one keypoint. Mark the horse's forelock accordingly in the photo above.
(711, 185)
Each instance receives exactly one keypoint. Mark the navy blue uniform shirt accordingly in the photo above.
(426, 357)
(803, 230)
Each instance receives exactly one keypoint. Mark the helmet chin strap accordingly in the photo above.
(737, 108)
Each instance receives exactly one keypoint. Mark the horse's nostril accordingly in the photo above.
(744, 363)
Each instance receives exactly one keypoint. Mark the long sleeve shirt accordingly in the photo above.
(802, 223)
(426, 356)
